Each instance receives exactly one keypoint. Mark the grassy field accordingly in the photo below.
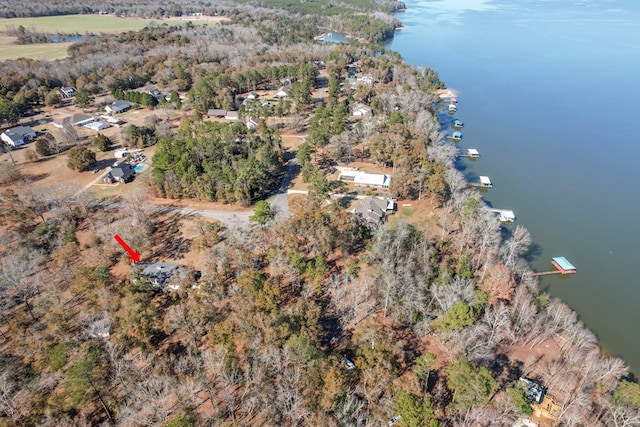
(70, 24)
(47, 51)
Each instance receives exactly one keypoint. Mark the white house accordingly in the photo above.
(18, 136)
(348, 174)
(372, 179)
(119, 106)
(67, 91)
(251, 123)
(366, 179)
(97, 125)
(283, 92)
(366, 79)
(361, 110)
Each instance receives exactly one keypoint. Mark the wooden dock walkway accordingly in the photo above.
(546, 273)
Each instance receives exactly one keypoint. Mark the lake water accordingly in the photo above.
(548, 94)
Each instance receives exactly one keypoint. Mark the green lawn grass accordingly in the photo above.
(70, 24)
(46, 51)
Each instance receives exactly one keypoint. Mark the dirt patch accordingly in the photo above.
(197, 204)
(173, 239)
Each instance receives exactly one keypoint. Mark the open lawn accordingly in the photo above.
(72, 24)
(96, 24)
(45, 51)
(69, 24)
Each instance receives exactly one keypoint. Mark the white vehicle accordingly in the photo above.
(393, 421)
(347, 363)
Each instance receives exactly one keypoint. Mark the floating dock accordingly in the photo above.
(485, 182)
(472, 153)
(456, 136)
(562, 265)
(458, 124)
(505, 215)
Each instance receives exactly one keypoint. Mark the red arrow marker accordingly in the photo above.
(135, 256)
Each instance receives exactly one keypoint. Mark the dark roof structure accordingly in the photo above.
(535, 392)
(373, 210)
(123, 171)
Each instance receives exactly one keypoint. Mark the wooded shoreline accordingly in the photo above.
(319, 318)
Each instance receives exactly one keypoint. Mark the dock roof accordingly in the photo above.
(564, 263)
(485, 180)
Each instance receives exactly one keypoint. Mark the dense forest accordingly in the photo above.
(316, 319)
(218, 162)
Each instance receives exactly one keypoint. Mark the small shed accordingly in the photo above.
(563, 265)
(485, 181)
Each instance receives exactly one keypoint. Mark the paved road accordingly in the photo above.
(279, 201)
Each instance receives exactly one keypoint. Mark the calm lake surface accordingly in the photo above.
(548, 94)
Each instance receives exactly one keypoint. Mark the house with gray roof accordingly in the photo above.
(166, 275)
(119, 106)
(18, 136)
(122, 173)
(374, 210)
